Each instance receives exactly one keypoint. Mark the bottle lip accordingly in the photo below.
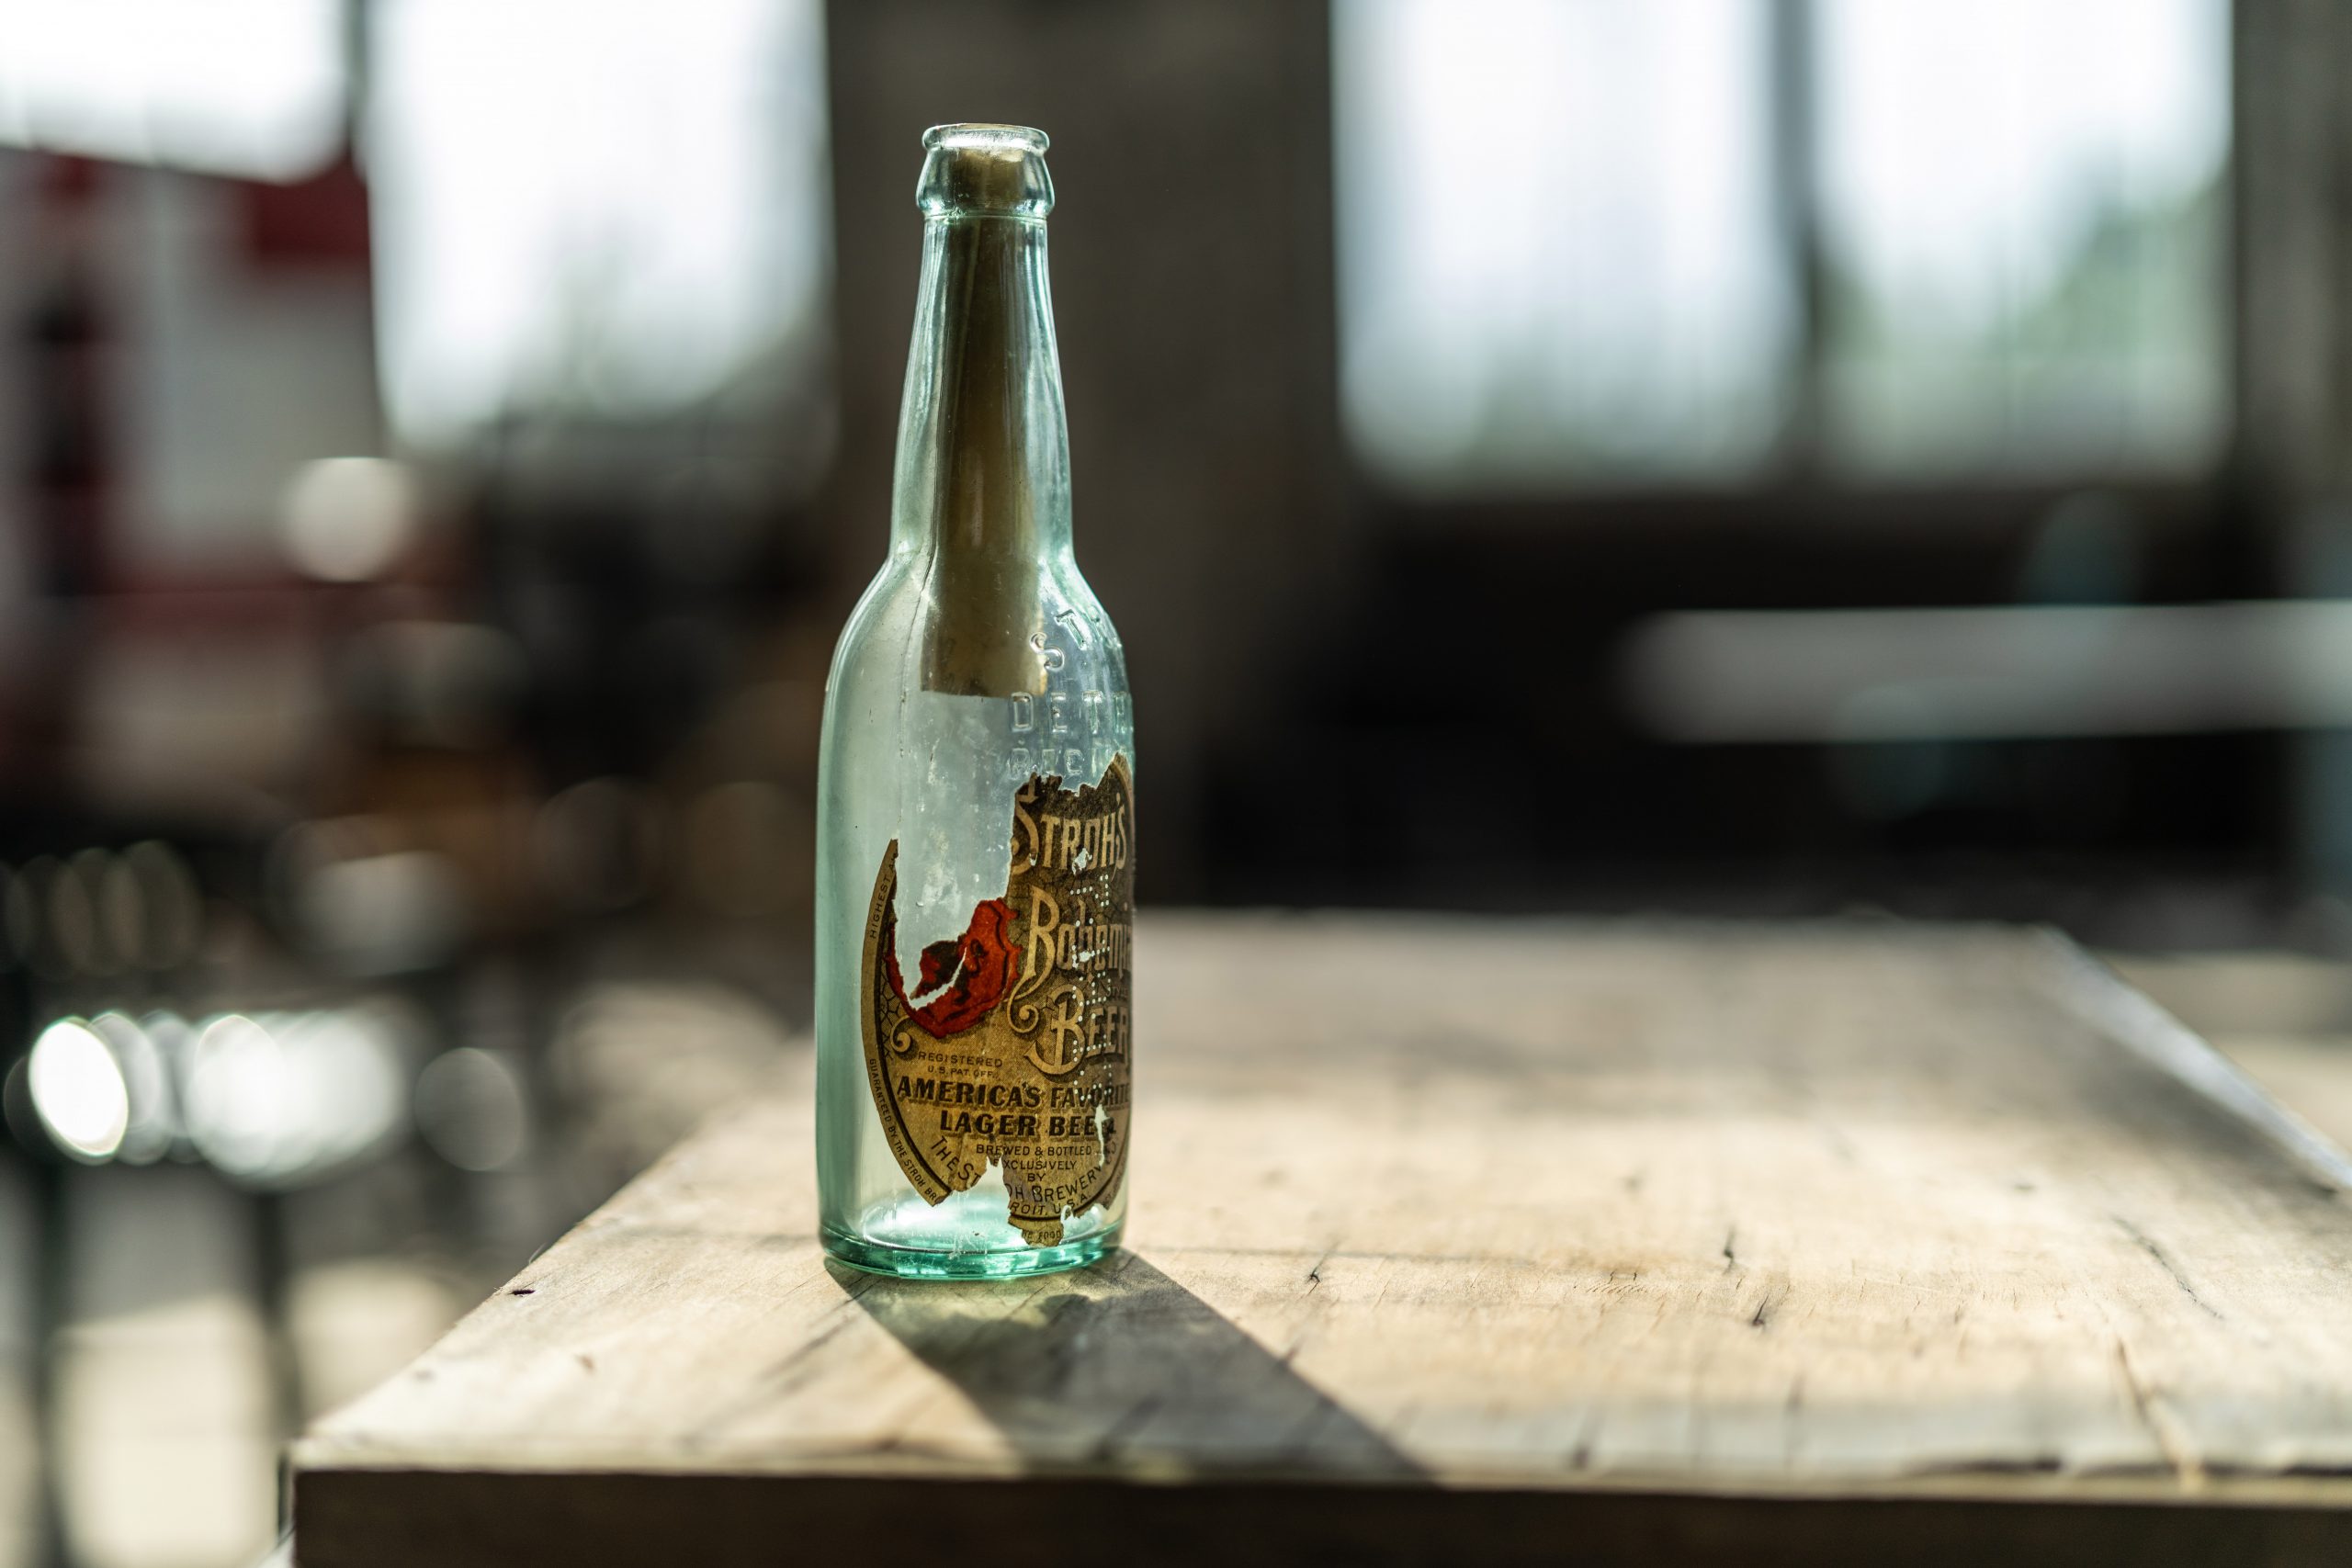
(984, 171)
(985, 135)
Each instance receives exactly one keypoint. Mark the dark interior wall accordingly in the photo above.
(1192, 272)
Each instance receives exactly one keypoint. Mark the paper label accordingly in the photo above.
(1012, 1048)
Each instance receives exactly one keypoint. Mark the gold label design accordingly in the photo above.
(1013, 1048)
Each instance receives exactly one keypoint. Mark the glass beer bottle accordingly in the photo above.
(975, 806)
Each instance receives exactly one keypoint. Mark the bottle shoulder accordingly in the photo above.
(1066, 709)
(1069, 632)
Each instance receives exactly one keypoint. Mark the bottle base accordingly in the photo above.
(871, 1256)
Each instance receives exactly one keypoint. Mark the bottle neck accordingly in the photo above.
(983, 460)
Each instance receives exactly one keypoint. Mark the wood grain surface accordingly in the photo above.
(1467, 1240)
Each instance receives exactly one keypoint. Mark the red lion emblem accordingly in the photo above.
(976, 969)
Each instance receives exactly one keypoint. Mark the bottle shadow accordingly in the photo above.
(1119, 1366)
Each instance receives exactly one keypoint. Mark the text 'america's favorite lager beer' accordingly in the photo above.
(976, 811)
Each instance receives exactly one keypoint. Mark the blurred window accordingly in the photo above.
(2021, 217)
(1613, 242)
(611, 208)
(252, 88)
(1555, 239)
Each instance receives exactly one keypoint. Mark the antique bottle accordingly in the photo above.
(976, 805)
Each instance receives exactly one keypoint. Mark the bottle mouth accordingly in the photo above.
(977, 169)
(982, 134)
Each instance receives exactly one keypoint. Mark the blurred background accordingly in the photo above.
(1715, 457)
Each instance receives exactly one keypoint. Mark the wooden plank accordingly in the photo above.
(1674, 1240)
(2313, 1076)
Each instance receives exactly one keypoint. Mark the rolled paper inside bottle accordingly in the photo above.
(995, 345)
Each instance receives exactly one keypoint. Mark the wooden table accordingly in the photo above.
(1462, 1240)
